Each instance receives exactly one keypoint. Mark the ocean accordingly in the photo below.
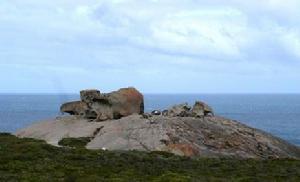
(278, 114)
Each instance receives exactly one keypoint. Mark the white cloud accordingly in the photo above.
(144, 39)
(291, 40)
(201, 32)
(183, 27)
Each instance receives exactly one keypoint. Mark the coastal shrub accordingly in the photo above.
(34, 160)
(74, 142)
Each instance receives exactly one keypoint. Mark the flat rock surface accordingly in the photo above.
(207, 137)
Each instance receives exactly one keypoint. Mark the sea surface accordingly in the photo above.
(277, 114)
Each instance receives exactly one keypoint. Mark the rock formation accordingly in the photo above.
(74, 108)
(200, 109)
(183, 130)
(101, 107)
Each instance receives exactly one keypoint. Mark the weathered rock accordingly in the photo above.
(146, 116)
(126, 101)
(101, 107)
(200, 109)
(182, 110)
(165, 112)
(89, 96)
(188, 136)
(74, 108)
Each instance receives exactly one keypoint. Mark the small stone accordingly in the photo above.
(153, 122)
(146, 115)
(165, 113)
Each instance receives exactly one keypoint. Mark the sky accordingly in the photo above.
(157, 46)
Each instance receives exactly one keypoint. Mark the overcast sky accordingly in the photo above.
(158, 46)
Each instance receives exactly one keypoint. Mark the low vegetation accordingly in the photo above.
(74, 142)
(34, 160)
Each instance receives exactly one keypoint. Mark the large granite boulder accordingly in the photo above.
(188, 136)
(126, 101)
(101, 107)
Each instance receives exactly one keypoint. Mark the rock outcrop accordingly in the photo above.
(101, 107)
(188, 136)
(183, 130)
(75, 108)
(200, 109)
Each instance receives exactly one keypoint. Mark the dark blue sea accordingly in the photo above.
(277, 114)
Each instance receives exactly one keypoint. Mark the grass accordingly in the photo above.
(34, 160)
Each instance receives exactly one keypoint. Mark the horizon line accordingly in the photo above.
(157, 93)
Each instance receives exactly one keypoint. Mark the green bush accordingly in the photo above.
(74, 142)
(34, 160)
